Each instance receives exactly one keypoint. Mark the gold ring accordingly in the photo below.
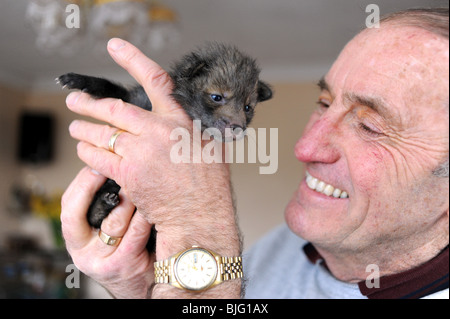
(109, 240)
(113, 139)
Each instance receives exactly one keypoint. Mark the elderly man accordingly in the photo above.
(370, 219)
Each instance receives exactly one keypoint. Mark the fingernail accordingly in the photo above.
(115, 44)
(95, 172)
(73, 125)
(72, 98)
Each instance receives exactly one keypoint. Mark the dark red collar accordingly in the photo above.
(415, 283)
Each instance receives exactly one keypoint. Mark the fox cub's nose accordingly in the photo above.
(237, 131)
(235, 127)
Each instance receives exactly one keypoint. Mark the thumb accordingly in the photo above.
(156, 81)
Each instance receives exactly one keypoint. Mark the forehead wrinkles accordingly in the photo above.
(419, 53)
(410, 62)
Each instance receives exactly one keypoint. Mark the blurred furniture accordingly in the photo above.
(30, 273)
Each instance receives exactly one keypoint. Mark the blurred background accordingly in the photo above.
(294, 41)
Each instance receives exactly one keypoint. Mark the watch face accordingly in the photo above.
(195, 269)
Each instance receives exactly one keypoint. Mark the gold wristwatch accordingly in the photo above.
(197, 269)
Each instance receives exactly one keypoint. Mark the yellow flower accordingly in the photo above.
(46, 207)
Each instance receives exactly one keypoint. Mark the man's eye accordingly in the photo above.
(322, 103)
(368, 130)
(216, 97)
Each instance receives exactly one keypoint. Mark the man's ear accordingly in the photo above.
(264, 91)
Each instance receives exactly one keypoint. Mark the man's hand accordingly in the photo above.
(189, 203)
(126, 270)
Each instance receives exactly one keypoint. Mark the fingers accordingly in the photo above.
(74, 205)
(114, 111)
(121, 222)
(137, 235)
(156, 82)
(116, 223)
(103, 161)
(100, 135)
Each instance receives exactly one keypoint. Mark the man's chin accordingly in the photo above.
(315, 217)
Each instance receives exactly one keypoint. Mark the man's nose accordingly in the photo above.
(318, 142)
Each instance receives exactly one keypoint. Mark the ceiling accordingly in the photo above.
(293, 40)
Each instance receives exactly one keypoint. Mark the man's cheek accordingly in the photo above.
(376, 188)
(374, 171)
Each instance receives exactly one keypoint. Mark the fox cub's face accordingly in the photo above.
(220, 86)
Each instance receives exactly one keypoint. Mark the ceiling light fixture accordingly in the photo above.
(66, 27)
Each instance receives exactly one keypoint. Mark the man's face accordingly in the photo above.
(380, 129)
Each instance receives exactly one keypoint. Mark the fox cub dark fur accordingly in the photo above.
(216, 84)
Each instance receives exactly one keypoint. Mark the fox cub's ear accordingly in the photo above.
(264, 91)
(196, 69)
(190, 67)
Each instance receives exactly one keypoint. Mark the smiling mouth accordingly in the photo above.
(324, 188)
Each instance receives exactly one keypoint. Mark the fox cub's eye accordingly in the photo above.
(247, 108)
(216, 97)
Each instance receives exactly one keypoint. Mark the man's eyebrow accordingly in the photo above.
(323, 85)
(375, 103)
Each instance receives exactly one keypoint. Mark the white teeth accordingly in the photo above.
(311, 181)
(322, 187)
(337, 193)
(329, 190)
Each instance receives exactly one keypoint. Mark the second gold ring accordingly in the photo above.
(113, 139)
